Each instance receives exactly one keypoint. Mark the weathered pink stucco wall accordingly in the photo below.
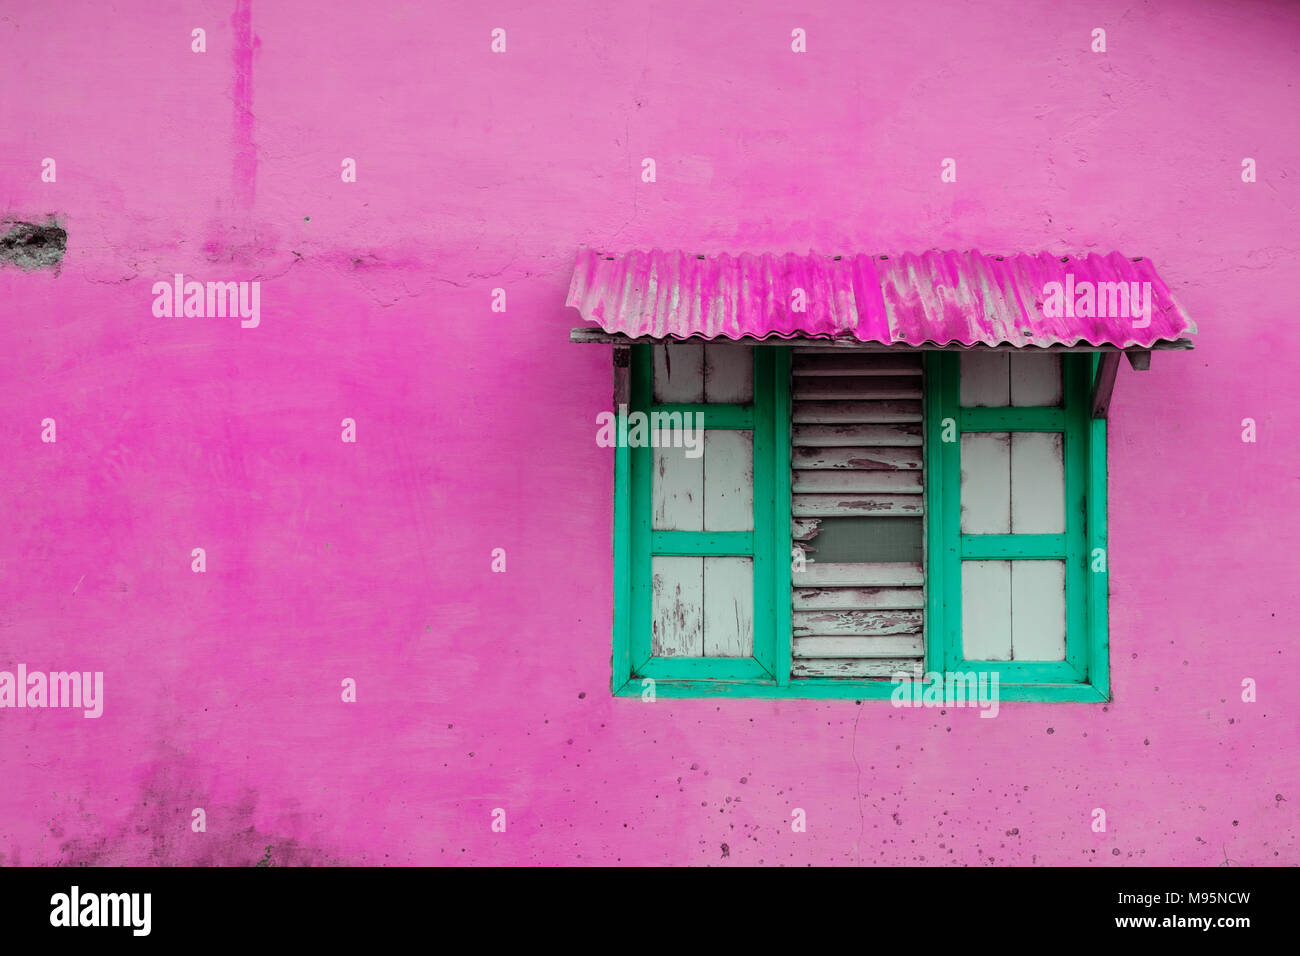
(476, 430)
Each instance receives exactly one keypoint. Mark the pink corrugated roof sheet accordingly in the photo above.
(944, 298)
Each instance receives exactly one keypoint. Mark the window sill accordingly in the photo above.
(839, 689)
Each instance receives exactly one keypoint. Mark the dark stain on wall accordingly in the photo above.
(159, 829)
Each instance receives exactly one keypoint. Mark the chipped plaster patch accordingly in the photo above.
(32, 246)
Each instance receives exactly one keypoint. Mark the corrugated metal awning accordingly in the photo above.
(927, 299)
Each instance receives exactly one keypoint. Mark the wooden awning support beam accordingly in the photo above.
(1103, 385)
(1140, 359)
(622, 375)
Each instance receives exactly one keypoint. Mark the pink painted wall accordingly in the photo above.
(476, 431)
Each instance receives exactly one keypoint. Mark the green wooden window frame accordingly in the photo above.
(1084, 674)
(767, 545)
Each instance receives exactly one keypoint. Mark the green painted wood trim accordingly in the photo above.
(714, 416)
(621, 662)
(712, 543)
(782, 536)
(1077, 388)
(840, 689)
(1010, 419)
(994, 546)
(1098, 582)
(704, 668)
(948, 514)
(935, 545)
(1027, 672)
(642, 372)
(764, 510)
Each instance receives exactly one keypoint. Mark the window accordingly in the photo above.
(850, 516)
